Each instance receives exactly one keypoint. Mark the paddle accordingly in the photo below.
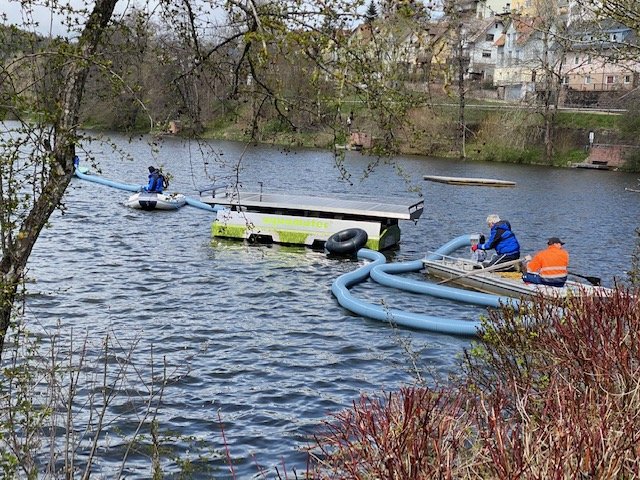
(592, 280)
(497, 266)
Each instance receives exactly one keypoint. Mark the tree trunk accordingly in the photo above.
(15, 258)
(549, 105)
(461, 98)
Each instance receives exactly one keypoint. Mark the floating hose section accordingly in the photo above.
(104, 181)
(381, 272)
(340, 290)
(203, 206)
(136, 188)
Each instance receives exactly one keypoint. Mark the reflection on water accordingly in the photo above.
(252, 332)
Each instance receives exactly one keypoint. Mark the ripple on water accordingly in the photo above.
(250, 336)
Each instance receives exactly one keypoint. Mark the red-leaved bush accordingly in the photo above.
(551, 392)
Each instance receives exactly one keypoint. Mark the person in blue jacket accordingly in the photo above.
(502, 239)
(156, 181)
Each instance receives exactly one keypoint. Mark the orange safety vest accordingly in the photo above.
(551, 263)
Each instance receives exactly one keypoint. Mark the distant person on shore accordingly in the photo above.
(549, 266)
(350, 121)
(502, 239)
(157, 182)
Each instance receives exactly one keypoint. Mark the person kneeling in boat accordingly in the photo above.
(502, 239)
(156, 181)
(549, 266)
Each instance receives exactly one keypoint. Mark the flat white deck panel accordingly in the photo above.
(407, 210)
(488, 182)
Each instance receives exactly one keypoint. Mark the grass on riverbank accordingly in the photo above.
(507, 135)
(496, 132)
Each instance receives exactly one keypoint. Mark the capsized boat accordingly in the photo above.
(465, 273)
(156, 201)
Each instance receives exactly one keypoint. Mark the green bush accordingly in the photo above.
(577, 155)
(632, 161)
(501, 153)
(277, 125)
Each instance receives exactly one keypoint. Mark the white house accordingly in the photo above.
(520, 58)
(482, 47)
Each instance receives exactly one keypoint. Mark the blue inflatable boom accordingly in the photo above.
(381, 272)
(81, 173)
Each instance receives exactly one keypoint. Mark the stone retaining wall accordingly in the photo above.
(610, 155)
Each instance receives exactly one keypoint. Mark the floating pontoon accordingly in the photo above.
(305, 220)
(474, 182)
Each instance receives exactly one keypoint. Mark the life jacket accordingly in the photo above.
(502, 239)
(156, 182)
(551, 263)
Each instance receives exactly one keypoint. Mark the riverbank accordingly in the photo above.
(513, 136)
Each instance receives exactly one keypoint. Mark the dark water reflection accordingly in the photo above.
(251, 334)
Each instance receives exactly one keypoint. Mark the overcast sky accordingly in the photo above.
(48, 24)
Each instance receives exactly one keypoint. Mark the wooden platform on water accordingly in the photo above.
(476, 182)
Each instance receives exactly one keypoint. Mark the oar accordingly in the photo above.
(497, 266)
(592, 280)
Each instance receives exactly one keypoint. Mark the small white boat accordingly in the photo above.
(465, 273)
(476, 182)
(156, 201)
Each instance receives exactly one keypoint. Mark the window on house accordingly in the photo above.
(565, 80)
(587, 80)
(576, 60)
(533, 76)
(614, 37)
(489, 37)
(627, 79)
(611, 79)
(486, 54)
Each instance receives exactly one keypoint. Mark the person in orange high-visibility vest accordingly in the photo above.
(549, 266)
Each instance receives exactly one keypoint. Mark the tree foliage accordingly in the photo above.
(44, 88)
(372, 12)
(296, 65)
(627, 12)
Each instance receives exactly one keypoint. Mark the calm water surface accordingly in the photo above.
(251, 334)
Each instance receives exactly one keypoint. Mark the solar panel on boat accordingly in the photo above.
(409, 210)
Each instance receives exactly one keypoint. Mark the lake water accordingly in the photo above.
(251, 334)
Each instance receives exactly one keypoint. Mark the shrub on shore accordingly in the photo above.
(558, 397)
